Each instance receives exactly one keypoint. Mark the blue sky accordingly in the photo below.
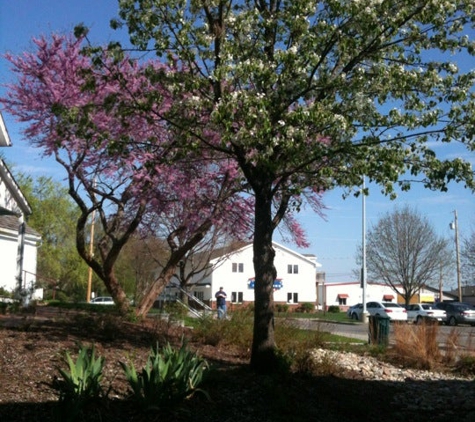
(333, 240)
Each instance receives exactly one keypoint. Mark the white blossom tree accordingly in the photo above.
(307, 95)
(468, 259)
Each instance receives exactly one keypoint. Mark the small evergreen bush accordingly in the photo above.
(334, 309)
(282, 307)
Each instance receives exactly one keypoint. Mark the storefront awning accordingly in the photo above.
(342, 296)
(388, 297)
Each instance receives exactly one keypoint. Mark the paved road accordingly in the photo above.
(463, 334)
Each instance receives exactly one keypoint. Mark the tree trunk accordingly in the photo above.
(263, 356)
(154, 291)
(116, 291)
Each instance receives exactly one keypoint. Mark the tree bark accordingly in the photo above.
(154, 290)
(263, 356)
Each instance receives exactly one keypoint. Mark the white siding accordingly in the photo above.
(301, 283)
(7, 200)
(328, 293)
(374, 292)
(9, 253)
(14, 208)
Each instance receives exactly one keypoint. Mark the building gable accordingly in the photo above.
(12, 200)
(4, 137)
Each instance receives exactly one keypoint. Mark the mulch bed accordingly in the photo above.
(32, 347)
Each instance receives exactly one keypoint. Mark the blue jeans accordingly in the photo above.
(221, 311)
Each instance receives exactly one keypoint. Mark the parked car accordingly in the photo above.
(459, 313)
(102, 300)
(391, 310)
(416, 312)
(354, 311)
(443, 305)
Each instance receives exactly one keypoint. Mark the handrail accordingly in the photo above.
(200, 302)
(190, 309)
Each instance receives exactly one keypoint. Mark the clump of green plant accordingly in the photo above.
(324, 365)
(237, 330)
(10, 306)
(282, 307)
(80, 383)
(465, 365)
(208, 331)
(175, 310)
(334, 309)
(296, 344)
(306, 308)
(169, 376)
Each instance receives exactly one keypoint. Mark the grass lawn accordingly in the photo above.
(327, 316)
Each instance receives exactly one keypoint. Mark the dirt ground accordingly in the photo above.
(32, 347)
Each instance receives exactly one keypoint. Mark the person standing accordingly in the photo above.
(221, 303)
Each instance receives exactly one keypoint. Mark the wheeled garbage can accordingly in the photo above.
(378, 330)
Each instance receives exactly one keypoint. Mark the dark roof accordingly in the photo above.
(10, 222)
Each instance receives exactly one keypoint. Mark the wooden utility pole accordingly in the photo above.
(91, 254)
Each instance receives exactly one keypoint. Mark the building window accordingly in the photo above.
(238, 267)
(292, 269)
(292, 297)
(341, 300)
(236, 297)
(199, 295)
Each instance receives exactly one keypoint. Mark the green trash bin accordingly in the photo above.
(379, 330)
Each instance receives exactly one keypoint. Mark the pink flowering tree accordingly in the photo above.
(123, 162)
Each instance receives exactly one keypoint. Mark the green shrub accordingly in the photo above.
(62, 296)
(466, 365)
(282, 307)
(208, 331)
(10, 307)
(306, 308)
(167, 378)
(334, 309)
(236, 331)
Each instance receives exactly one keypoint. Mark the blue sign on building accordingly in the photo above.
(278, 284)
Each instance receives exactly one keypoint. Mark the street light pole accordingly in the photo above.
(364, 314)
(454, 226)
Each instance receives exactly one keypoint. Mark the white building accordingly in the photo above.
(295, 282)
(18, 242)
(347, 294)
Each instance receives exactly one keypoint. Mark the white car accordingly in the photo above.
(354, 311)
(387, 309)
(102, 300)
(416, 312)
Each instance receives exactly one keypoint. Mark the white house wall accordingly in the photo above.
(7, 200)
(300, 285)
(9, 254)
